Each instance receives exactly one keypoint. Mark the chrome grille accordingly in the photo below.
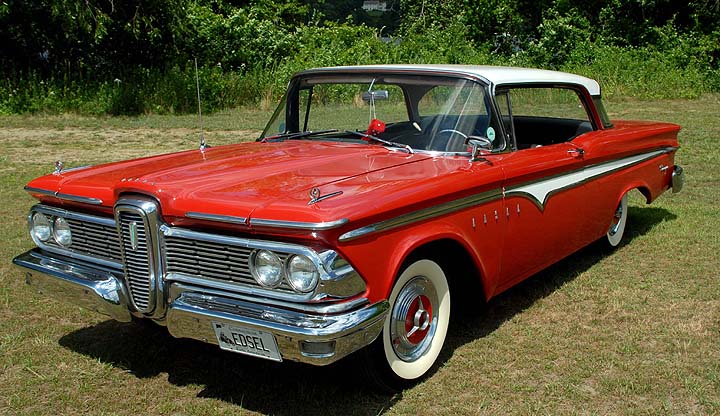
(211, 260)
(93, 239)
(138, 267)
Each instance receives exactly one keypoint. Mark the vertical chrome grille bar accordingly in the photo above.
(137, 226)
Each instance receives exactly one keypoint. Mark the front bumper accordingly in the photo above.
(312, 338)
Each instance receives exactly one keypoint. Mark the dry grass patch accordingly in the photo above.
(92, 145)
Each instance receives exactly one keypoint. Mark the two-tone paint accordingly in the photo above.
(511, 213)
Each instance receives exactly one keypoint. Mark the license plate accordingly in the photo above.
(246, 341)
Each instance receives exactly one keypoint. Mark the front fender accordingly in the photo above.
(379, 258)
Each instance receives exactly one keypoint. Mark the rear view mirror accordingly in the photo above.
(478, 144)
(368, 96)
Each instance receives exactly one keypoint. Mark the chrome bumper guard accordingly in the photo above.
(317, 339)
(678, 179)
(88, 286)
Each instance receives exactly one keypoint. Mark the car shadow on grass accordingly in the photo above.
(147, 350)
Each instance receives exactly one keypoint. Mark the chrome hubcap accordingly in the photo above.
(413, 322)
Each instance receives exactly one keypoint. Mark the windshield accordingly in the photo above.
(424, 112)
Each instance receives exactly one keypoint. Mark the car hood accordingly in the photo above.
(256, 180)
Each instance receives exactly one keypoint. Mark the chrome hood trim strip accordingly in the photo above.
(215, 217)
(298, 225)
(66, 197)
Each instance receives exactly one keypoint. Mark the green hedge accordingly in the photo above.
(676, 67)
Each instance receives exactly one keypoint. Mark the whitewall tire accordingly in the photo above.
(415, 328)
(617, 225)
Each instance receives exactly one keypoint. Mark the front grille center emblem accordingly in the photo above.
(132, 227)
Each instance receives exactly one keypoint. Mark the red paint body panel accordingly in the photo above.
(272, 181)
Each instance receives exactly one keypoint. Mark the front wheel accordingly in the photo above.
(414, 330)
(617, 225)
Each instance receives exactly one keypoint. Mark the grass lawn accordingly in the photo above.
(635, 331)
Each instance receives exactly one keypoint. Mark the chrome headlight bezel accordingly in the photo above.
(258, 274)
(61, 231)
(298, 264)
(40, 221)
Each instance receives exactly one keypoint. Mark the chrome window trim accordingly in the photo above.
(373, 71)
(370, 71)
(215, 217)
(68, 251)
(298, 225)
(66, 197)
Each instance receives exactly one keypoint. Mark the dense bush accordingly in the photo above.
(134, 57)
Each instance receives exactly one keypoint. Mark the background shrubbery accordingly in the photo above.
(100, 57)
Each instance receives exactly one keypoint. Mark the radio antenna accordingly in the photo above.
(202, 133)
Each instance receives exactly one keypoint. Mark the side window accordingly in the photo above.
(449, 114)
(542, 116)
(503, 102)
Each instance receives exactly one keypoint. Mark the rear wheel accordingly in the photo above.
(414, 330)
(619, 220)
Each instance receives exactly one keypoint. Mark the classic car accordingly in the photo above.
(375, 197)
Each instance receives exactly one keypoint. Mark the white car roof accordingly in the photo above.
(496, 75)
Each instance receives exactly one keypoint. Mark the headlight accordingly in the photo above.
(266, 268)
(41, 227)
(302, 273)
(61, 232)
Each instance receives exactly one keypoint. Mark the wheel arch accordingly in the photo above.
(462, 268)
(640, 186)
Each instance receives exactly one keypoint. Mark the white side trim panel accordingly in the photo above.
(540, 191)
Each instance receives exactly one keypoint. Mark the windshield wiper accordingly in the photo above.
(403, 146)
(298, 134)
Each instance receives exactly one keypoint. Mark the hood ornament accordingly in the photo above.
(58, 167)
(315, 195)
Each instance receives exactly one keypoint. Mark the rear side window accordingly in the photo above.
(561, 103)
(542, 116)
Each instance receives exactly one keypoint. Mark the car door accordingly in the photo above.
(545, 194)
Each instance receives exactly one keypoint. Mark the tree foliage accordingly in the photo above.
(117, 49)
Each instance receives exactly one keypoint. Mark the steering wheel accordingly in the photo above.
(452, 143)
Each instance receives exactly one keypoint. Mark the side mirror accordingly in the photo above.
(478, 143)
(368, 96)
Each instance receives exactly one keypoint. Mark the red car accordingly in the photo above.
(375, 197)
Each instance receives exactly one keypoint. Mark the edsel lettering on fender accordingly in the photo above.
(343, 226)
